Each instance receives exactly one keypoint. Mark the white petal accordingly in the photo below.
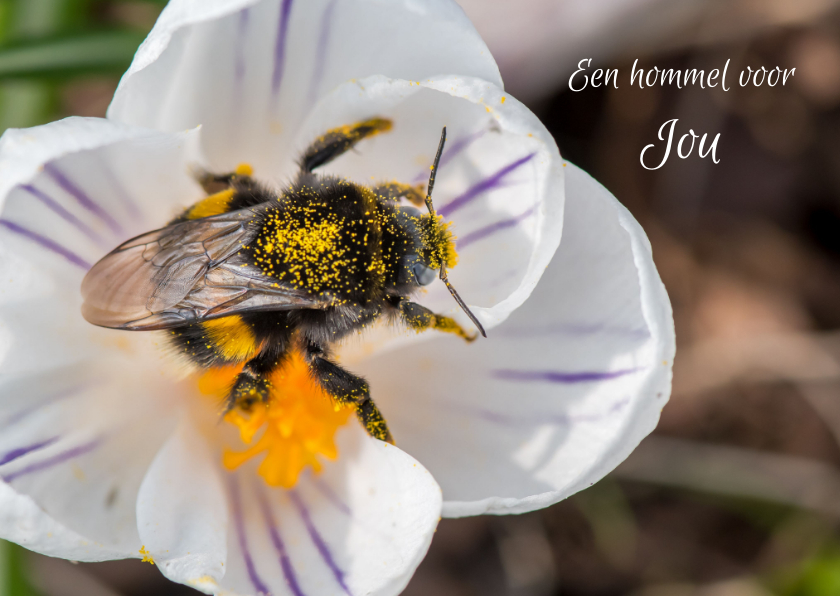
(182, 511)
(560, 393)
(24, 151)
(77, 443)
(80, 417)
(70, 191)
(250, 71)
(500, 181)
(24, 523)
(361, 527)
(74, 189)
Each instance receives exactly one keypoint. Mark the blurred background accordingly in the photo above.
(737, 492)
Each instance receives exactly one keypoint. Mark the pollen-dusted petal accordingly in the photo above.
(560, 393)
(249, 71)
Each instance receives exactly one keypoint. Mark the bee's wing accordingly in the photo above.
(181, 274)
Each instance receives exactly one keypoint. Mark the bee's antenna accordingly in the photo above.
(431, 208)
(460, 302)
(434, 171)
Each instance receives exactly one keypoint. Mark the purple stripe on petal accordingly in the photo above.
(330, 495)
(236, 503)
(567, 378)
(241, 38)
(318, 541)
(84, 200)
(280, 46)
(451, 152)
(14, 454)
(489, 230)
(45, 243)
(279, 546)
(74, 221)
(493, 181)
(321, 51)
(58, 458)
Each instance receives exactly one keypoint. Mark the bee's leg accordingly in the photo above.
(215, 183)
(249, 389)
(228, 192)
(421, 318)
(336, 141)
(347, 388)
(252, 385)
(392, 191)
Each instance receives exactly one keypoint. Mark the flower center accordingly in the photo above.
(293, 429)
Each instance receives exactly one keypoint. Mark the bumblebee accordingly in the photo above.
(249, 275)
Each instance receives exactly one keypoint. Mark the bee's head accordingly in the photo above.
(433, 247)
(438, 243)
(434, 244)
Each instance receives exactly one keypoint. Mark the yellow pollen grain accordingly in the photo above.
(147, 557)
(293, 431)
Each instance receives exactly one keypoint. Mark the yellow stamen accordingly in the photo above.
(298, 423)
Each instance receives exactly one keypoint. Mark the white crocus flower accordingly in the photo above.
(108, 451)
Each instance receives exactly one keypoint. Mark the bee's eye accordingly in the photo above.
(424, 275)
(414, 271)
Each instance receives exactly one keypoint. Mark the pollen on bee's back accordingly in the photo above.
(303, 246)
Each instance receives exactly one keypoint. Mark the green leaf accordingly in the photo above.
(39, 18)
(25, 103)
(105, 52)
(13, 571)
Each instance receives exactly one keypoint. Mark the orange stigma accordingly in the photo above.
(298, 422)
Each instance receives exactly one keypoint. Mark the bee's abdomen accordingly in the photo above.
(217, 342)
